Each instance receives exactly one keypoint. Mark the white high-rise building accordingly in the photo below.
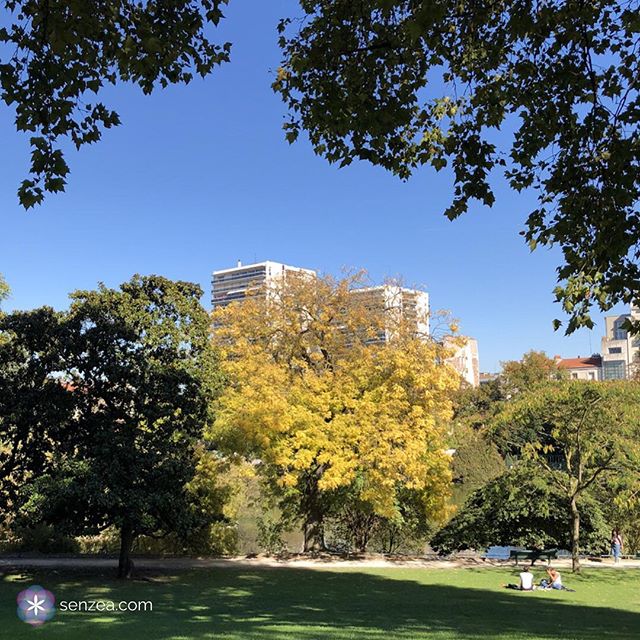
(236, 283)
(409, 304)
(413, 305)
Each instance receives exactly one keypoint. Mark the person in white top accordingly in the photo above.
(526, 581)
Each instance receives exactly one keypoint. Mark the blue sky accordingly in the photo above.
(198, 177)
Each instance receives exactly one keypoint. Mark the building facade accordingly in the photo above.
(465, 359)
(619, 353)
(397, 302)
(236, 283)
(619, 349)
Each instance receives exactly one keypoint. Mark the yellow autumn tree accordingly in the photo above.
(325, 386)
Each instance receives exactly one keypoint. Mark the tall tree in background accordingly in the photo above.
(533, 369)
(577, 433)
(326, 408)
(56, 56)
(404, 83)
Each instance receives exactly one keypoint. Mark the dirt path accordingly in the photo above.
(380, 562)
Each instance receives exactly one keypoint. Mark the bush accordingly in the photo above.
(42, 538)
(270, 534)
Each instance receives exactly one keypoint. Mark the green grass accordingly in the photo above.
(299, 604)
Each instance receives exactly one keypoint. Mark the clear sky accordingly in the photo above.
(198, 177)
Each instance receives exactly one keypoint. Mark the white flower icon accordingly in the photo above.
(36, 605)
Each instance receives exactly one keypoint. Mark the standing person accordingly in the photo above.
(616, 545)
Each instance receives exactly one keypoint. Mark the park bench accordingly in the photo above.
(533, 555)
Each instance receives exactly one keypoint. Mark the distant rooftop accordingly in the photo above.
(265, 263)
(579, 363)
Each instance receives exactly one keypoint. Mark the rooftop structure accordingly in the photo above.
(236, 283)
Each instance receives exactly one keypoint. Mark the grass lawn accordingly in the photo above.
(301, 604)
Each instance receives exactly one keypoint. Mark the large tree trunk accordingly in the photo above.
(125, 565)
(313, 515)
(575, 534)
(313, 533)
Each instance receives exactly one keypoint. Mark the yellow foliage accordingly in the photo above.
(311, 391)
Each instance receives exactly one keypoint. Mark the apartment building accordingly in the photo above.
(397, 302)
(619, 349)
(619, 353)
(236, 283)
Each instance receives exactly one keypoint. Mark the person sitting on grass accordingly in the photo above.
(554, 580)
(526, 581)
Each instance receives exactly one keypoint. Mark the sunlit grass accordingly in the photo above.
(299, 604)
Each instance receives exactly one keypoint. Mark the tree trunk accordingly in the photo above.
(313, 533)
(313, 515)
(575, 534)
(125, 565)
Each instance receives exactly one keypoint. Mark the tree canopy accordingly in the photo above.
(405, 83)
(4, 288)
(57, 55)
(519, 508)
(533, 369)
(34, 405)
(138, 365)
(577, 433)
(326, 407)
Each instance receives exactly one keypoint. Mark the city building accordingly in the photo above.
(465, 359)
(619, 349)
(581, 368)
(409, 304)
(486, 378)
(236, 283)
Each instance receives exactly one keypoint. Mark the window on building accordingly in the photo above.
(592, 375)
(618, 332)
(613, 370)
(615, 349)
(574, 376)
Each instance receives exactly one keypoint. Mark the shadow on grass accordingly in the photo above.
(297, 604)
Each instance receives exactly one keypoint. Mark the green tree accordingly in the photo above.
(356, 526)
(143, 374)
(34, 404)
(59, 54)
(533, 369)
(476, 461)
(577, 433)
(404, 83)
(519, 508)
